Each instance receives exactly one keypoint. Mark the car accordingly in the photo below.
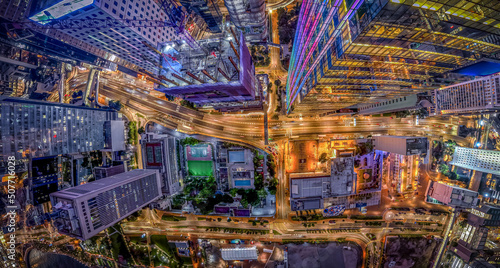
(331, 222)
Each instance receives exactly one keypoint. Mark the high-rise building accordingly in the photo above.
(208, 10)
(104, 172)
(249, 16)
(406, 103)
(160, 153)
(487, 161)
(39, 129)
(475, 232)
(402, 164)
(85, 210)
(220, 71)
(127, 42)
(402, 145)
(350, 52)
(14, 10)
(450, 195)
(478, 95)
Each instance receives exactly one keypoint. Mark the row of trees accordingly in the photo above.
(249, 196)
(203, 193)
(422, 113)
(133, 137)
(189, 141)
(260, 56)
(287, 23)
(364, 148)
(443, 150)
(445, 170)
(115, 105)
(188, 104)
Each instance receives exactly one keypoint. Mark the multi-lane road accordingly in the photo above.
(250, 127)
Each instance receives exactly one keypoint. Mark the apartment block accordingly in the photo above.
(85, 210)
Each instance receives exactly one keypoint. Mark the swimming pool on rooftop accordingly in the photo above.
(242, 183)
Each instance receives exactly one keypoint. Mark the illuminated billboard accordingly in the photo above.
(59, 10)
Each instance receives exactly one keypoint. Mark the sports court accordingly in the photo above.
(201, 152)
(200, 168)
(237, 156)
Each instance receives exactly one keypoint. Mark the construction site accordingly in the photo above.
(218, 72)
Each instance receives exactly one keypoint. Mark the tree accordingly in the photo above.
(233, 192)
(132, 133)
(227, 198)
(444, 169)
(189, 141)
(275, 117)
(178, 200)
(277, 82)
(141, 130)
(258, 181)
(452, 175)
(188, 104)
(244, 203)
(323, 158)
(115, 105)
(262, 193)
(273, 186)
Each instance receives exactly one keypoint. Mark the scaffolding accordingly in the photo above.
(220, 70)
(217, 60)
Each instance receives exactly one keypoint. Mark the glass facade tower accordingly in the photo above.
(40, 128)
(358, 51)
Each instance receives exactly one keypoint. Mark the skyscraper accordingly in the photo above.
(208, 10)
(406, 103)
(39, 128)
(487, 161)
(85, 210)
(159, 152)
(402, 145)
(472, 96)
(222, 70)
(249, 16)
(350, 52)
(127, 42)
(474, 234)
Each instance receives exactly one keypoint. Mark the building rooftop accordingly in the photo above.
(102, 184)
(342, 178)
(308, 187)
(220, 70)
(452, 195)
(487, 161)
(239, 254)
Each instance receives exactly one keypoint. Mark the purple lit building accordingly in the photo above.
(221, 71)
